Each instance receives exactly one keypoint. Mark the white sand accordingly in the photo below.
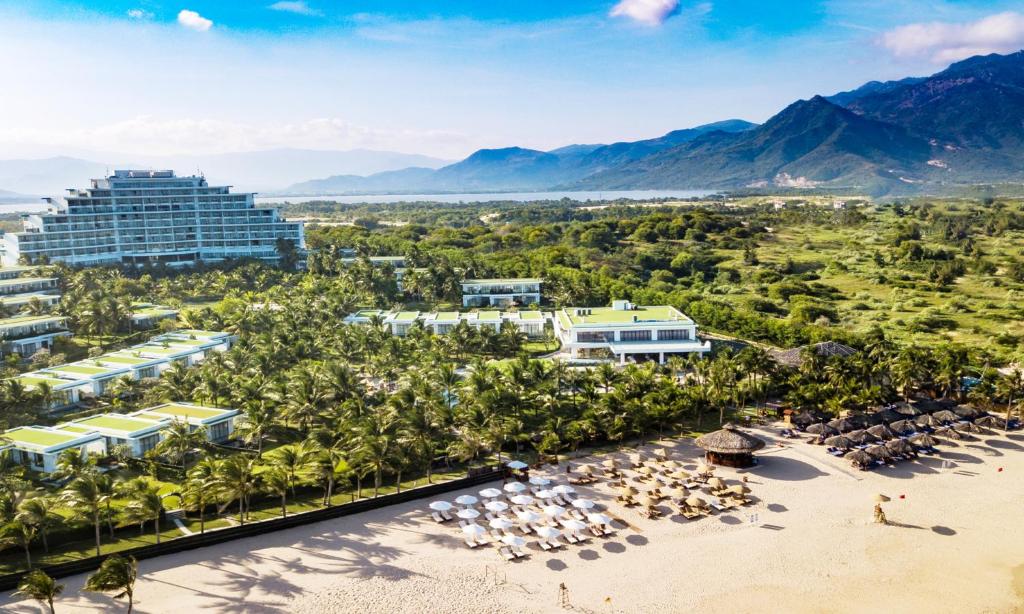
(958, 547)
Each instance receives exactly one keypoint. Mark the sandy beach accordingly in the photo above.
(806, 544)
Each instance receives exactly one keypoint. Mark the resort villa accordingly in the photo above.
(27, 334)
(18, 287)
(148, 315)
(500, 292)
(69, 383)
(38, 447)
(530, 323)
(626, 330)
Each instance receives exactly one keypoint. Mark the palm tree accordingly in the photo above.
(293, 460)
(146, 505)
(116, 575)
(201, 487)
(1011, 387)
(278, 482)
(257, 421)
(38, 512)
(235, 475)
(86, 499)
(39, 586)
(18, 533)
(376, 437)
(179, 439)
(71, 463)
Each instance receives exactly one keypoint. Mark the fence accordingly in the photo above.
(199, 540)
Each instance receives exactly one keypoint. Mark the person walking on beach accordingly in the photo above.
(880, 515)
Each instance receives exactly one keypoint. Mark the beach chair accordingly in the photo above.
(447, 516)
(472, 543)
(506, 553)
(717, 506)
(518, 552)
(437, 517)
(596, 530)
(555, 544)
(546, 547)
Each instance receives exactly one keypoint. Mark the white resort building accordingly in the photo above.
(626, 331)
(530, 323)
(500, 292)
(138, 217)
(27, 334)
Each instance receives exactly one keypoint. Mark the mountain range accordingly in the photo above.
(961, 126)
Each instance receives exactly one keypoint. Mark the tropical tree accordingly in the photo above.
(236, 477)
(39, 512)
(19, 533)
(180, 439)
(202, 487)
(277, 481)
(146, 504)
(86, 498)
(116, 575)
(38, 585)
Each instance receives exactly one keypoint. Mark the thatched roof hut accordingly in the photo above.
(730, 447)
(822, 429)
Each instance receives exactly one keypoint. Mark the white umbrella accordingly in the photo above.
(490, 493)
(474, 529)
(548, 532)
(546, 494)
(468, 514)
(466, 500)
(583, 504)
(496, 506)
(564, 489)
(528, 516)
(440, 506)
(501, 523)
(539, 481)
(574, 525)
(522, 499)
(514, 487)
(599, 518)
(554, 510)
(516, 464)
(514, 541)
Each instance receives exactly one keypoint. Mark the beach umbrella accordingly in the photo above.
(908, 410)
(609, 463)
(490, 493)
(574, 525)
(474, 530)
(528, 516)
(925, 420)
(649, 501)
(515, 487)
(522, 499)
(704, 469)
(859, 457)
(586, 469)
(554, 510)
(924, 440)
(841, 424)
(501, 524)
(903, 427)
(635, 458)
(969, 427)
(440, 506)
(989, 421)
(536, 480)
(671, 463)
(468, 514)
(466, 500)
(599, 518)
(716, 483)
(679, 493)
(660, 452)
(881, 431)
(899, 446)
(496, 506)
(879, 452)
(679, 475)
(839, 441)
(564, 489)
(966, 411)
(822, 429)
(645, 470)
(627, 491)
(860, 437)
(888, 415)
(739, 489)
(695, 502)
(546, 494)
(948, 432)
(516, 464)
(945, 416)
(804, 419)
(548, 532)
(880, 498)
(513, 540)
(583, 504)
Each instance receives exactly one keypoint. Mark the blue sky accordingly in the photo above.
(445, 78)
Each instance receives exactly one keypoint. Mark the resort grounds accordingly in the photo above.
(806, 543)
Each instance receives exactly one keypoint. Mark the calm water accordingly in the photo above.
(31, 207)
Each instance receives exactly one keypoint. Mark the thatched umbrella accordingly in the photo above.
(822, 429)
(716, 483)
(648, 501)
(660, 453)
(730, 446)
(969, 427)
(859, 421)
(966, 411)
(842, 425)
(586, 469)
(859, 457)
(925, 420)
(703, 469)
(679, 475)
(861, 436)
(945, 416)
(645, 470)
(908, 410)
(948, 432)
(628, 491)
(881, 431)
(880, 452)
(679, 492)
(888, 415)
(899, 446)
(805, 419)
(695, 501)
(840, 441)
(739, 489)
(903, 427)
(609, 463)
(991, 422)
(924, 440)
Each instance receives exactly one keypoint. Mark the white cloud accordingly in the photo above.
(139, 14)
(299, 7)
(194, 21)
(648, 12)
(948, 42)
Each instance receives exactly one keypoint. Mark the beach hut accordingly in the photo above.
(730, 447)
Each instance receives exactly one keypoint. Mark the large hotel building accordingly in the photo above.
(138, 217)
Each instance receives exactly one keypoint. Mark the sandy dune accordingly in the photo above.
(807, 545)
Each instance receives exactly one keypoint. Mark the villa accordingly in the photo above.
(506, 292)
(530, 323)
(27, 334)
(626, 330)
(138, 434)
(218, 422)
(38, 447)
(148, 315)
(21, 285)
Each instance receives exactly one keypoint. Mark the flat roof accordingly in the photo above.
(24, 280)
(82, 369)
(154, 310)
(607, 315)
(530, 315)
(23, 320)
(115, 422)
(26, 297)
(35, 436)
(160, 350)
(505, 280)
(446, 315)
(183, 410)
(121, 359)
(406, 316)
(35, 379)
(488, 316)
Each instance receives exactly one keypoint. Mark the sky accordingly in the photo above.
(446, 78)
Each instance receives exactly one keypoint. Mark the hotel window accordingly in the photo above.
(673, 335)
(595, 337)
(635, 335)
(148, 443)
(218, 431)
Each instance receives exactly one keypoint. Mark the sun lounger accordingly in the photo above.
(472, 543)
(506, 553)
(718, 506)
(447, 516)
(544, 545)
(650, 513)
(437, 517)
(518, 552)
(555, 544)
